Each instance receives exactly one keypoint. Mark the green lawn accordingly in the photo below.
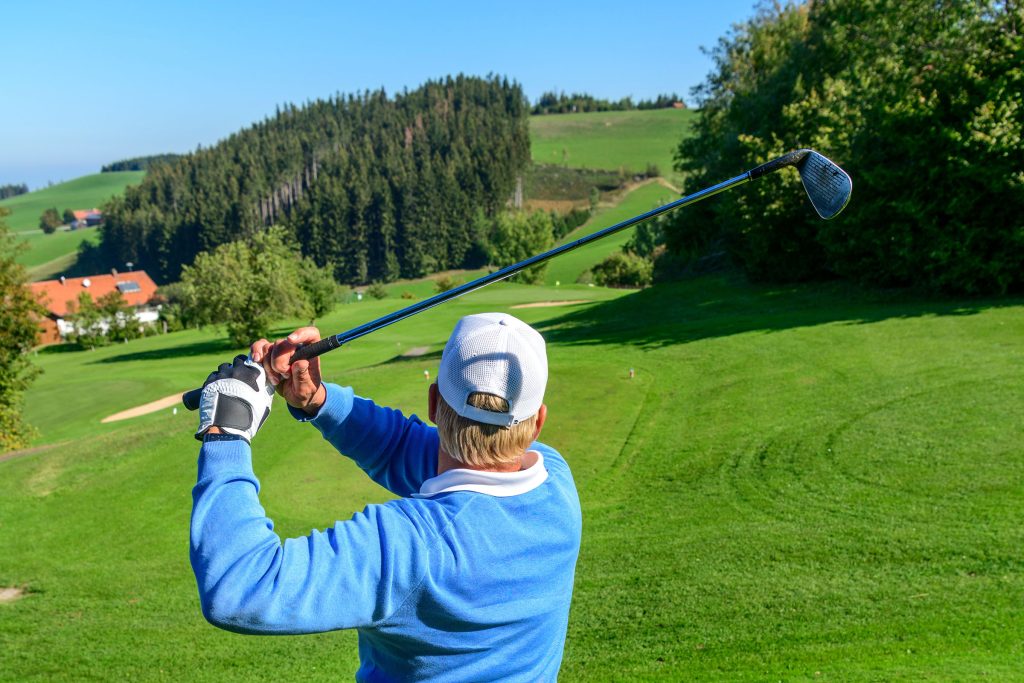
(801, 483)
(81, 193)
(566, 269)
(629, 140)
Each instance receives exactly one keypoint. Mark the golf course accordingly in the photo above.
(794, 418)
(797, 483)
(800, 483)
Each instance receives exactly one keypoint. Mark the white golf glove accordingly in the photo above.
(236, 398)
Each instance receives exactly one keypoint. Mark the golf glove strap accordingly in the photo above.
(236, 398)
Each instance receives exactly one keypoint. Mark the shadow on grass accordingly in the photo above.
(723, 305)
(199, 348)
(54, 349)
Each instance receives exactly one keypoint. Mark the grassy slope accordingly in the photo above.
(566, 269)
(610, 140)
(806, 483)
(81, 193)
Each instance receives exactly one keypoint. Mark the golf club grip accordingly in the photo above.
(190, 399)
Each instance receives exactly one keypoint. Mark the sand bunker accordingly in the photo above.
(548, 304)
(416, 351)
(10, 594)
(145, 409)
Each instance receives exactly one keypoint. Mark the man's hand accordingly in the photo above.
(236, 399)
(299, 382)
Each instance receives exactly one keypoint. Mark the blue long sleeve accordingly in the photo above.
(351, 575)
(397, 452)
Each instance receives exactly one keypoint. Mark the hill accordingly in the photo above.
(48, 253)
(375, 186)
(610, 140)
(81, 193)
(813, 483)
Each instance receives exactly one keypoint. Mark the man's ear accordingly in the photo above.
(432, 402)
(542, 416)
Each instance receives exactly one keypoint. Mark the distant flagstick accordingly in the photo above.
(827, 186)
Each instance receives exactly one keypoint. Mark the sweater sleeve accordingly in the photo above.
(249, 581)
(397, 452)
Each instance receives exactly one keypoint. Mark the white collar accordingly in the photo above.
(499, 484)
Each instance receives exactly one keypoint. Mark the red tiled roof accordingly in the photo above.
(82, 214)
(55, 295)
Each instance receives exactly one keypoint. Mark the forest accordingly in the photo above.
(371, 186)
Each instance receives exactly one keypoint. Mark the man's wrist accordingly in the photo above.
(317, 402)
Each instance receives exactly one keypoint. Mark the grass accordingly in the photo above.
(629, 140)
(567, 269)
(81, 193)
(801, 483)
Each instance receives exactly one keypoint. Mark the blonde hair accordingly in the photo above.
(482, 445)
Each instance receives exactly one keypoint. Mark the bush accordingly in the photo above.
(377, 291)
(446, 283)
(623, 269)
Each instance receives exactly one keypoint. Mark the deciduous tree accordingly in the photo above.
(19, 312)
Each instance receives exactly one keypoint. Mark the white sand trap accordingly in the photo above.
(548, 304)
(145, 409)
(416, 351)
(10, 594)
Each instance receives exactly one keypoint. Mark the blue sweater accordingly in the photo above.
(467, 577)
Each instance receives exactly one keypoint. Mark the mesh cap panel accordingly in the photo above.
(494, 353)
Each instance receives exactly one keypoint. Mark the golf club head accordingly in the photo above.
(828, 186)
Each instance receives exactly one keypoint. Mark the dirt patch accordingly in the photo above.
(416, 351)
(557, 205)
(548, 304)
(30, 451)
(11, 594)
(145, 409)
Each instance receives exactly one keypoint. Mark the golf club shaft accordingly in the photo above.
(191, 398)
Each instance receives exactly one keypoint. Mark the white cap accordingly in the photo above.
(494, 353)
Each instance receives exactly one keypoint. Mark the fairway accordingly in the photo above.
(628, 140)
(87, 192)
(800, 483)
(566, 269)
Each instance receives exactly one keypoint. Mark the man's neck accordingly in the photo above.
(446, 462)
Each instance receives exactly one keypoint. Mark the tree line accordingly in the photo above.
(369, 186)
(552, 102)
(920, 101)
(139, 163)
(13, 190)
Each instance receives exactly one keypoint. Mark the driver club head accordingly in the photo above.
(828, 186)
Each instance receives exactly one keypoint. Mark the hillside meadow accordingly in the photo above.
(81, 193)
(799, 483)
(627, 140)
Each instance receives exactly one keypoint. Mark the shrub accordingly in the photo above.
(623, 269)
(446, 283)
(377, 291)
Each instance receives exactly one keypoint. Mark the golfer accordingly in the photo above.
(466, 576)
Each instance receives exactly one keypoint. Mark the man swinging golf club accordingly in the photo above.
(467, 576)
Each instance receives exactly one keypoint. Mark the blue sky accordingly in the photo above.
(89, 83)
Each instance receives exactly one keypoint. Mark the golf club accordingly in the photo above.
(827, 186)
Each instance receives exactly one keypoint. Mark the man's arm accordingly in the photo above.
(251, 582)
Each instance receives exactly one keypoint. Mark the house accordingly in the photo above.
(86, 218)
(136, 286)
